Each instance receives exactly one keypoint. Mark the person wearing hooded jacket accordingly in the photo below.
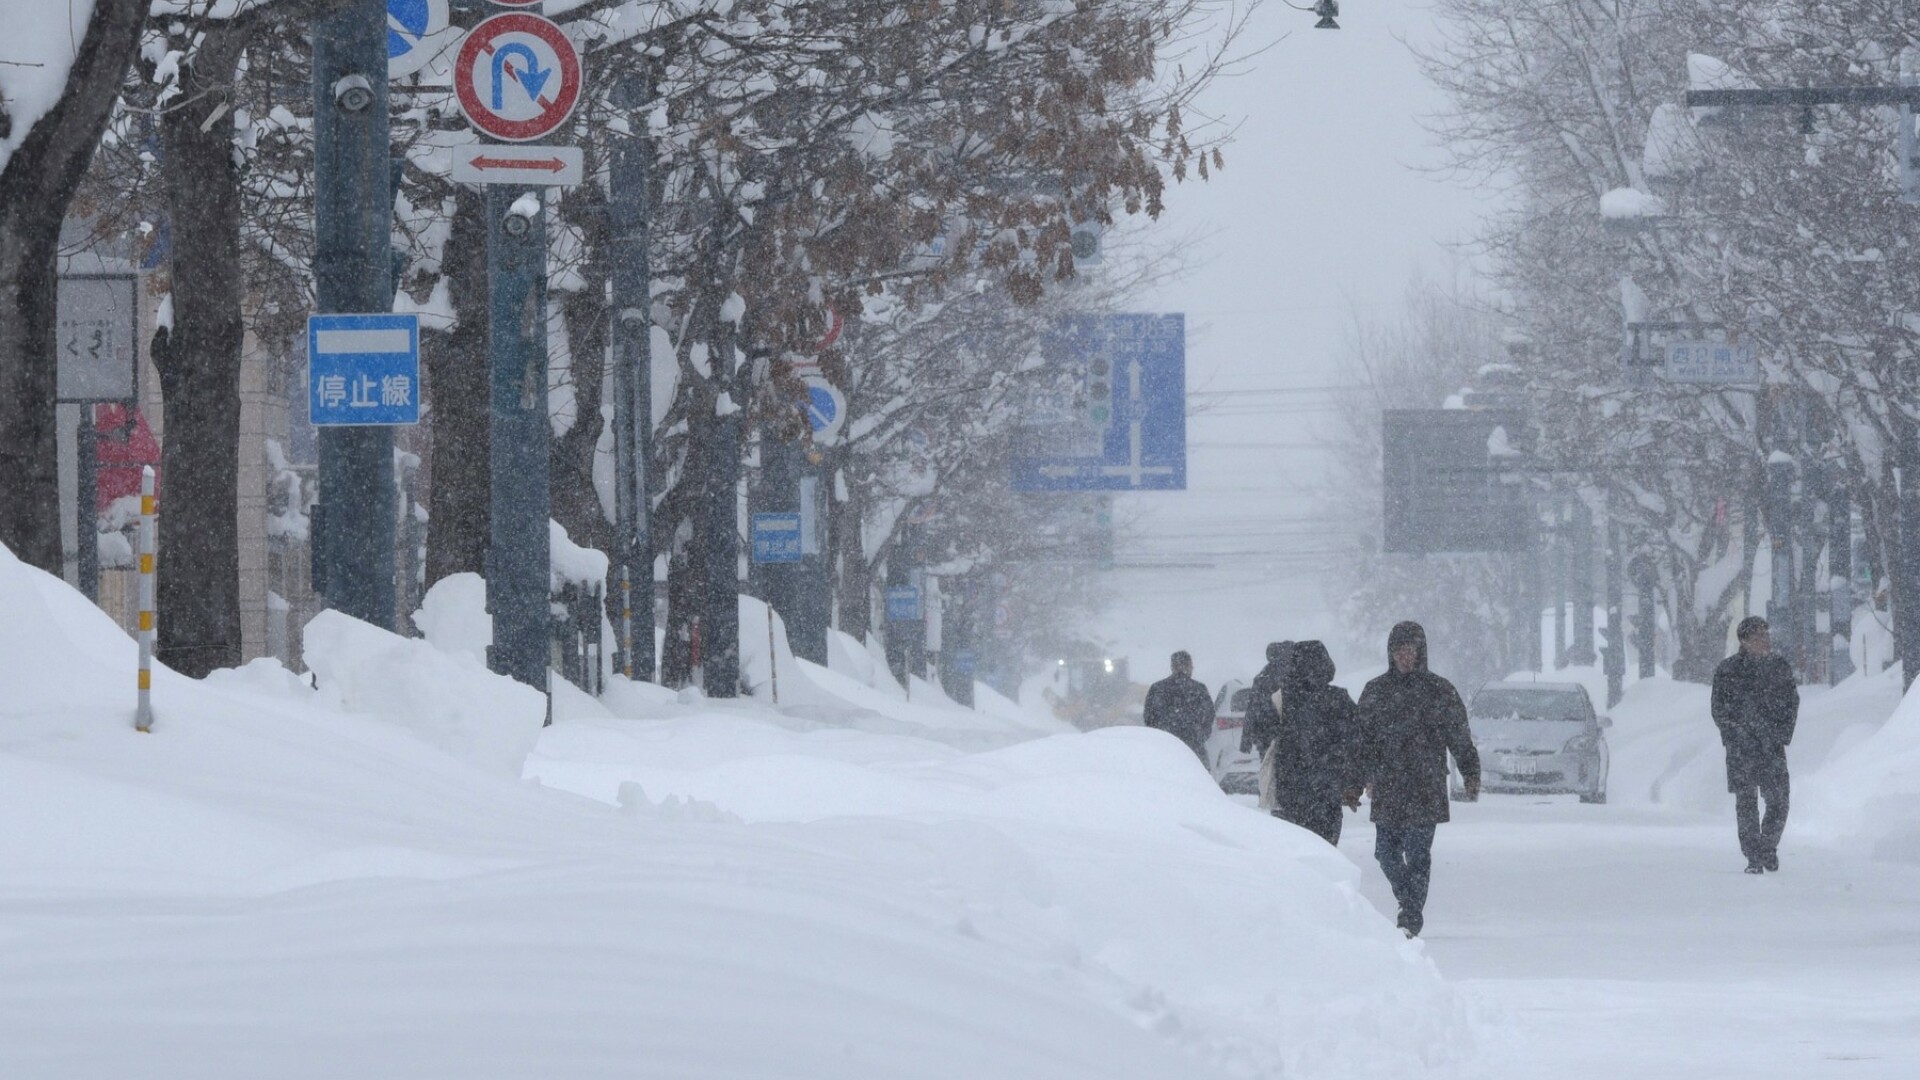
(1314, 751)
(1410, 720)
(1263, 720)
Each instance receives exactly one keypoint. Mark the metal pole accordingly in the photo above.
(1780, 608)
(1581, 654)
(149, 537)
(518, 556)
(352, 266)
(773, 661)
(86, 522)
(1840, 577)
(630, 160)
(1906, 568)
(1616, 651)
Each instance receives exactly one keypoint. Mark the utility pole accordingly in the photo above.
(518, 553)
(1905, 570)
(1839, 574)
(629, 167)
(354, 524)
(1580, 653)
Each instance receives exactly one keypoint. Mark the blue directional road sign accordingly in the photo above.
(826, 410)
(363, 369)
(416, 32)
(903, 603)
(776, 538)
(1115, 415)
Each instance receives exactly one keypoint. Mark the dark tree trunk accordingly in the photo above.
(199, 364)
(852, 578)
(576, 502)
(36, 187)
(460, 500)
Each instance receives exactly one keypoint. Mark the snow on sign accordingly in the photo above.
(532, 166)
(363, 369)
(1115, 415)
(517, 77)
(417, 31)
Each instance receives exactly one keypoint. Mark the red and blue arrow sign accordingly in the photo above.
(517, 77)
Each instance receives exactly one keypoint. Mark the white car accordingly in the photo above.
(1537, 737)
(1237, 772)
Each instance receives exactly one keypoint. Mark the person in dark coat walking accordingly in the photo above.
(1410, 720)
(1315, 756)
(1180, 706)
(1262, 720)
(1756, 705)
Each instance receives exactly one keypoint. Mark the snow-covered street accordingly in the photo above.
(1626, 942)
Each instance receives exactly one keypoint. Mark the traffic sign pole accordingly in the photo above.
(354, 525)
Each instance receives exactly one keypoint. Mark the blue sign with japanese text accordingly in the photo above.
(363, 370)
(903, 603)
(1113, 417)
(776, 538)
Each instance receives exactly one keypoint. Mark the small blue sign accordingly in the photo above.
(407, 22)
(964, 662)
(363, 370)
(1115, 416)
(776, 538)
(903, 603)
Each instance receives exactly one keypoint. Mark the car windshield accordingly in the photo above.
(1521, 704)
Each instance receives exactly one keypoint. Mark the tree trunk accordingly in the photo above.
(576, 501)
(460, 498)
(199, 365)
(36, 187)
(852, 576)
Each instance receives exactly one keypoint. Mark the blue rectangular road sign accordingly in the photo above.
(1115, 418)
(776, 538)
(363, 369)
(903, 603)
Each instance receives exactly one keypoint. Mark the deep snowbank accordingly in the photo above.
(275, 885)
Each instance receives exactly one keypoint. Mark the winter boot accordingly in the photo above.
(1771, 860)
(1755, 866)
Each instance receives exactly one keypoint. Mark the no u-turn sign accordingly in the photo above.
(517, 77)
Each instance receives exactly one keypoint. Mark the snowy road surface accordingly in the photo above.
(1626, 942)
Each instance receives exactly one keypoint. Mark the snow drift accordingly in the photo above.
(289, 882)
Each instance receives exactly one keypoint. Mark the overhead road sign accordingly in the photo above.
(1115, 418)
(363, 370)
(527, 166)
(1445, 488)
(417, 31)
(776, 538)
(826, 410)
(517, 77)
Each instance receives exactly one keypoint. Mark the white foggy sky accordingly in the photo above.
(1323, 209)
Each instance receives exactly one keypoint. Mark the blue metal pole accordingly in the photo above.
(353, 543)
(630, 160)
(518, 554)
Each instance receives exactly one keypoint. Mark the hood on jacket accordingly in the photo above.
(1408, 633)
(1311, 666)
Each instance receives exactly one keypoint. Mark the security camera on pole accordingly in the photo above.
(517, 78)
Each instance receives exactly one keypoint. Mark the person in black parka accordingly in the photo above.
(1756, 705)
(1180, 706)
(1262, 722)
(1315, 757)
(1410, 720)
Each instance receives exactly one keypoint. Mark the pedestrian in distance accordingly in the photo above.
(1756, 705)
(1262, 721)
(1410, 720)
(1180, 706)
(1315, 758)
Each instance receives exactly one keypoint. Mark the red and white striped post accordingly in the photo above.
(143, 712)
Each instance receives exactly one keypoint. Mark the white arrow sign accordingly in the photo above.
(1133, 470)
(531, 166)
